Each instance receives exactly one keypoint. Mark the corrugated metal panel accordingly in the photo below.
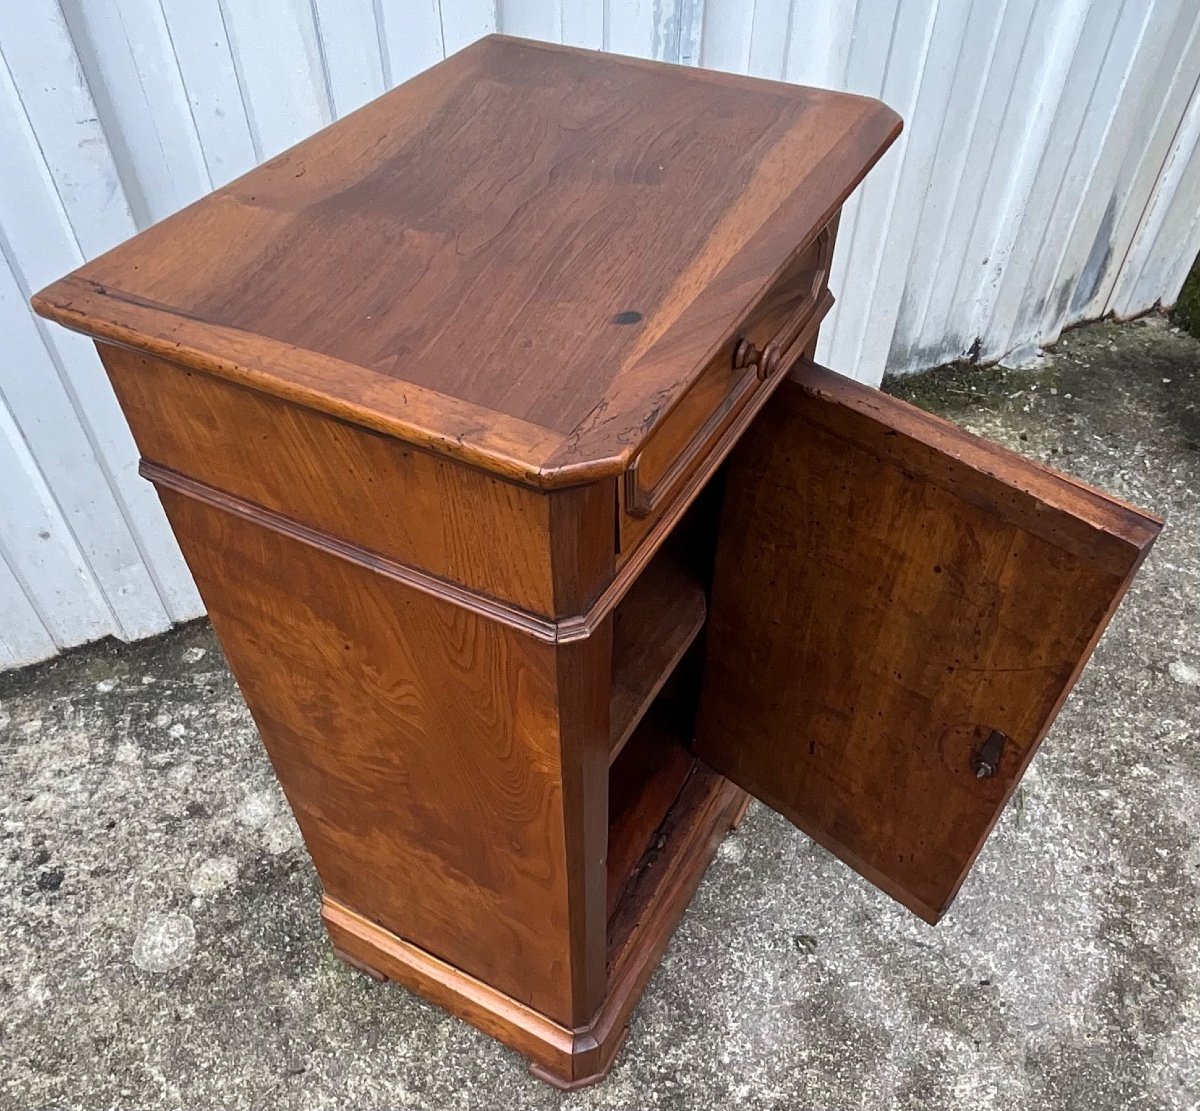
(1049, 173)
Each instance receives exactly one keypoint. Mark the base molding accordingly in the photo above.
(565, 1058)
(563, 1053)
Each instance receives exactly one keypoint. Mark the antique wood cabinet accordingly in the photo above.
(487, 422)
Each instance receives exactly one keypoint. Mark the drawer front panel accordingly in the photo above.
(773, 336)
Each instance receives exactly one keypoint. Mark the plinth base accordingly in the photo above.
(641, 928)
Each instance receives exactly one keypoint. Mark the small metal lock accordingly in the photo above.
(986, 761)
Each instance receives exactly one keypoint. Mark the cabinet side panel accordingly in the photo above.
(417, 743)
(339, 478)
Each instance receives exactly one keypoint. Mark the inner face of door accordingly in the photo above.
(898, 610)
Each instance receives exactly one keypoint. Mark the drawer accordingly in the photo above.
(771, 338)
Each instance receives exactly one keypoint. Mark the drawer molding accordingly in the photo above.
(781, 351)
(565, 630)
(805, 281)
(642, 500)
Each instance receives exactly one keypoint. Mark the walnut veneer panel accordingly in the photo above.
(899, 610)
(523, 257)
(424, 750)
(417, 508)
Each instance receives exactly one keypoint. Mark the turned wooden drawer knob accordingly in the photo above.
(764, 360)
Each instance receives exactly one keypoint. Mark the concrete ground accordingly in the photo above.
(159, 941)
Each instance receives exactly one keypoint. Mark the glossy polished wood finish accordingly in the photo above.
(343, 480)
(523, 257)
(890, 592)
(310, 359)
(441, 818)
(439, 403)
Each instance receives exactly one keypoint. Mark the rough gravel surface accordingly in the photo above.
(160, 947)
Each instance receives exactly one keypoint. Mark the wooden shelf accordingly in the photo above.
(706, 808)
(653, 627)
(643, 784)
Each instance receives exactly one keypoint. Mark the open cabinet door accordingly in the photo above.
(898, 611)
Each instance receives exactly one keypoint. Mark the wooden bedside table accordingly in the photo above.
(487, 424)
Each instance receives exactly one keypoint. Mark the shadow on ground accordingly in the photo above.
(159, 941)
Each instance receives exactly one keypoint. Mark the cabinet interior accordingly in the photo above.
(656, 663)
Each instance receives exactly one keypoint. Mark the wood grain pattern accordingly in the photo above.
(424, 398)
(523, 257)
(420, 509)
(420, 747)
(392, 386)
(890, 590)
(653, 627)
(566, 631)
(568, 1057)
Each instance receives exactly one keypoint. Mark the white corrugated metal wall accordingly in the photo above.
(1049, 173)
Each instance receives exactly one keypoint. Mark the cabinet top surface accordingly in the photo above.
(522, 257)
